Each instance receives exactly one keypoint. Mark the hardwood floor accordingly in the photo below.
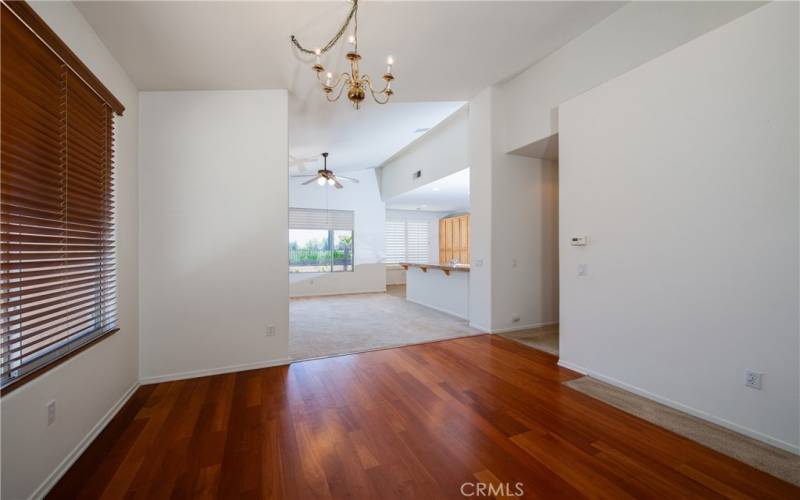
(412, 422)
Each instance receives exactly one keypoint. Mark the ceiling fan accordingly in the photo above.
(326, 176)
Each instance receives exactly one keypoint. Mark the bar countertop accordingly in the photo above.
(445, 268)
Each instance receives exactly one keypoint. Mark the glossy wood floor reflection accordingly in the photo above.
(413, 422)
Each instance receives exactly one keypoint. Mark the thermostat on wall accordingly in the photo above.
(578, 241)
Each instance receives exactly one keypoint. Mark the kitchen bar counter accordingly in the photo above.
(445, 268)
(446, 291)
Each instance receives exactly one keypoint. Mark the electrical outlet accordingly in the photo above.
(270, 330)
(753, 379)
(581, 269)
(51, 412)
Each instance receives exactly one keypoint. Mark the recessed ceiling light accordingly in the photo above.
(436, 189)
(421, 130)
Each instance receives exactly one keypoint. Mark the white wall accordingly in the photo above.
(524, 242)
(514, 233)
(446, 293)
(480, 200)
(629, 37)
(214, 238)
(443, 150)
(684, 175)
(89, 385)
(368, 247)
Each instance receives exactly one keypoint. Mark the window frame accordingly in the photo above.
(331, 235)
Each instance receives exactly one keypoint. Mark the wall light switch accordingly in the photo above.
(478, 262)
(581, 269)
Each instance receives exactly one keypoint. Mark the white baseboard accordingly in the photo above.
(451, 313)
(327, 294)
(84, 443)
(684, 408)
(524, 327)
(480, 327)
(513, 328)
(214, 371)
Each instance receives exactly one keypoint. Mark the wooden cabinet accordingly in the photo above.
(454, 239)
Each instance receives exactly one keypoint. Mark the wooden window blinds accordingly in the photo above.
(56, 204)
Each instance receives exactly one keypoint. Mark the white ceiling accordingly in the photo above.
(444, 51)
(448, 194)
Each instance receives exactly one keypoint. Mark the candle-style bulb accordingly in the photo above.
(329, 76)
(389, 62)
(317, 53)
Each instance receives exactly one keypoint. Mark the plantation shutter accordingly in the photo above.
(56, 207)
(314, 218)
(406, 240)
(417, 238)
(395, 241)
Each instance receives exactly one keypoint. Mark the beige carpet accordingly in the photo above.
(340, 324)
(769, 459)
(544, 338)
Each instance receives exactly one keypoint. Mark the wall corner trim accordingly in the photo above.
(791, 448)
(84, 443)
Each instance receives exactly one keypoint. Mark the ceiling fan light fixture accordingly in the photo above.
(321, 181)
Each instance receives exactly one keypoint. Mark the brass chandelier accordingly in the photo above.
(357, 84)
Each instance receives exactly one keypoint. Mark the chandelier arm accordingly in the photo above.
(372, 89)
(350, 17)
(343, 76)
(338, 95)
(376, 94)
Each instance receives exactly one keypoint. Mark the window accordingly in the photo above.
(407, 241)
(57, 213)
(320, 241)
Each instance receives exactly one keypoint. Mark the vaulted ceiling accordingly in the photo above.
(444, 51)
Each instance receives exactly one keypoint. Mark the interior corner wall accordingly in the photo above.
(480, 200)
(440, 152)
(514, 229)
(690, 201)
(524, 242)
(214, 231)
(529, 101)
(364, 199)
(87, 388)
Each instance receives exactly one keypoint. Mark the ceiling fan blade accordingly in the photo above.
(351, 179)
(302, 176)
(336, 182)
(312, 179)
